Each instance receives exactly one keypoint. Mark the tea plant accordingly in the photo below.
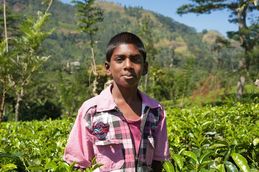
(201, 139)
(214, 138)
(35, 146)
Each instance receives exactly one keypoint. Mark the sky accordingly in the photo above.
(217, 20)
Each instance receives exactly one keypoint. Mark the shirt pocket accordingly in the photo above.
(150, 150)
(109, 153)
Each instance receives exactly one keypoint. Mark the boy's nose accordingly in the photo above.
(128, 63)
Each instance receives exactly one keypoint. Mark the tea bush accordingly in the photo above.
(211, 139)
(214, 138)
(34, 146)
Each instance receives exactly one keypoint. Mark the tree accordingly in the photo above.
(26, 61)
(239, 11)
(88, 16)
(20, 62)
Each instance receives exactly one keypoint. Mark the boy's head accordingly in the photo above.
(124, 38)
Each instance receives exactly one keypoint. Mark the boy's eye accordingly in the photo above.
(119, 59)
(136, 59)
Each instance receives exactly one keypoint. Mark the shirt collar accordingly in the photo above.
(106, 102)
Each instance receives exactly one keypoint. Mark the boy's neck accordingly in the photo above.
(128, 101)
(125, 94)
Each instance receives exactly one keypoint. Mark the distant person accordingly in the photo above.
(122, 127)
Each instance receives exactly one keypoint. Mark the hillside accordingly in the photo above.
(182, 62)
(68, 44)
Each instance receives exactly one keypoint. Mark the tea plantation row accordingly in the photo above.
(224, 138)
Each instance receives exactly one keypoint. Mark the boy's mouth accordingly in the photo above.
(129, 76)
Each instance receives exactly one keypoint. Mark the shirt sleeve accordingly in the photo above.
(79, 148)
(161, 140)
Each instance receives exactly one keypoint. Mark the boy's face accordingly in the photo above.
(126, 65)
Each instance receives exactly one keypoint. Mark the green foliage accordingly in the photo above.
(12, 22)
(22, 59)
(33, 33)
(73, 89)
(88, 15)
(201, 139)
(240, 12)
(146, 34)
(168, 166)
(25, 60)
(35, 146)
(214, 137)
(5, 62)
(161, 87)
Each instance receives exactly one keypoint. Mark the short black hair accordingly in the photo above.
(124, 38)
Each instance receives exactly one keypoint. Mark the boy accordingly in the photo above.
(122, 127)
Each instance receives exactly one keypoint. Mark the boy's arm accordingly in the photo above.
(161, 152)
(79, 148)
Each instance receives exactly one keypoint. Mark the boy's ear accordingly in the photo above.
(107, 67)
(145, 68)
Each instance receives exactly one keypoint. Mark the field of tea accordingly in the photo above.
(224, 138)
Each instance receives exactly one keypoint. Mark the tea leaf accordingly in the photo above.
(179, 160)
(191, 155)
(241, 162)
(220, 168)
(168, 166)
(8, 167)
(230, 167)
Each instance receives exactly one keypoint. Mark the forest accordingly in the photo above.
(52, 59)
